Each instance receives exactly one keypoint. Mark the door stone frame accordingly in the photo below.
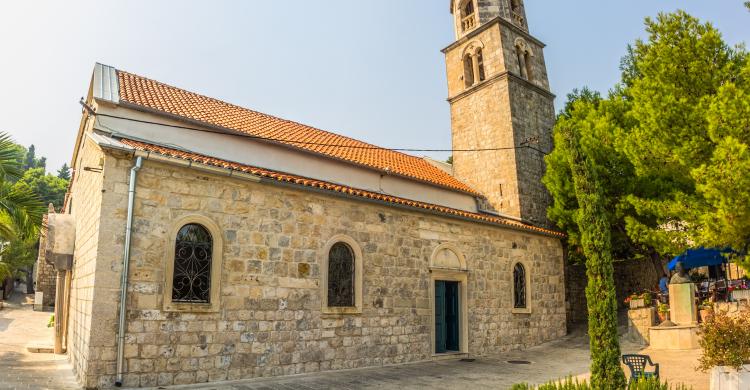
(456, 273)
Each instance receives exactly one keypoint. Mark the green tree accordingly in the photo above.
(49, 188)
(669, 145)
(594, 229)
(678, 72)
(64, 172)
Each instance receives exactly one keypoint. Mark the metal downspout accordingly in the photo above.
(125, 268)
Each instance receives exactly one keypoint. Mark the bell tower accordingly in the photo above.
(500, 99)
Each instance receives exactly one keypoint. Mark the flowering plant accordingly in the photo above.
(663, 308)
(646, 296)
(725, 341)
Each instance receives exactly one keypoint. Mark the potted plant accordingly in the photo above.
(725, 341)
(706, 309)
(662, 310)
(635, 301)
(647, 299)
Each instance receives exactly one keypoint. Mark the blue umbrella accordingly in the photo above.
(693, 258)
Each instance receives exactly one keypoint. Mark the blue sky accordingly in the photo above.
(371, 70)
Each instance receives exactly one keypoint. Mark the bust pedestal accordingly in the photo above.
(682, 309)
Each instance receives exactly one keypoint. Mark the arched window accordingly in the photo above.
(525, 59)
(519, 286)
(515, 4)
(341, 273)
(528, 61)
(467, 14)
(468, 9)
(468, 70)
(191, 279)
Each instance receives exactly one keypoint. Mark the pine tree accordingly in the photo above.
(64, 172)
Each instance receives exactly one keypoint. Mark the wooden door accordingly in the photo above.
(441, 330)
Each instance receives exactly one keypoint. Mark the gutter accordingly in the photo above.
(125, 269)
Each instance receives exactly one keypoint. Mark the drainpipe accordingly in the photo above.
(125, 268)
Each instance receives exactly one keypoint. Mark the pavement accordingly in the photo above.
(21, 327)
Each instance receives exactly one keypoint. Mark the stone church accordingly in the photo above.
(213, 242)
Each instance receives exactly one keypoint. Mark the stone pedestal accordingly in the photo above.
(674, 337)
(682, 308)
(639, 322)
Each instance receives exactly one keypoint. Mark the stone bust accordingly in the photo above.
(680, 275)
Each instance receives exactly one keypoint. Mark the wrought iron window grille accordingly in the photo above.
(191, 282)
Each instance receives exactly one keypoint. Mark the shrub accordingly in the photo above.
(574, 384)
(725, 341)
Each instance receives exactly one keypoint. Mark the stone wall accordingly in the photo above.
(45, 276)
(630, 276)
(85, 205)
(270, 321)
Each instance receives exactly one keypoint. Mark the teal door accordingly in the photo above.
(446, 316)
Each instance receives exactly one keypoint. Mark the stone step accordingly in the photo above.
(37, 348)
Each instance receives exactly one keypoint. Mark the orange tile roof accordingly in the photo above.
(154, 95)
(307, 182)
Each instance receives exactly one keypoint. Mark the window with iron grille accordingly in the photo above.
(191, 281)
(341, 276)
(519, 286)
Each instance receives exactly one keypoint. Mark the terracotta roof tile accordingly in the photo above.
(307, 182)
(154, 95)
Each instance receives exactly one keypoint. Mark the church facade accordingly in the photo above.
(246, 245)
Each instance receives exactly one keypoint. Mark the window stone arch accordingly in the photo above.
(341, 273)
(193, 265)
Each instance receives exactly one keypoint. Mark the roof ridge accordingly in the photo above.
(158, 96)
(264, 114)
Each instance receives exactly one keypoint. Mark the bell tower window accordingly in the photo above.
(525, 59)
(468, 15)
(468, 70)
(473, 65)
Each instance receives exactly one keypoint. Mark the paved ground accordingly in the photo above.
(19, 369)
(566, 357)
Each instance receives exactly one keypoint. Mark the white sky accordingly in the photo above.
(368, 69)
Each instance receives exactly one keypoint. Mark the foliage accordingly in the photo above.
(593, 224)
(663, 308)
(725, 341)
(575, 384)
(49, 188)
(51, 321)
(20, 211)
(669, 144)
(5, 271)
